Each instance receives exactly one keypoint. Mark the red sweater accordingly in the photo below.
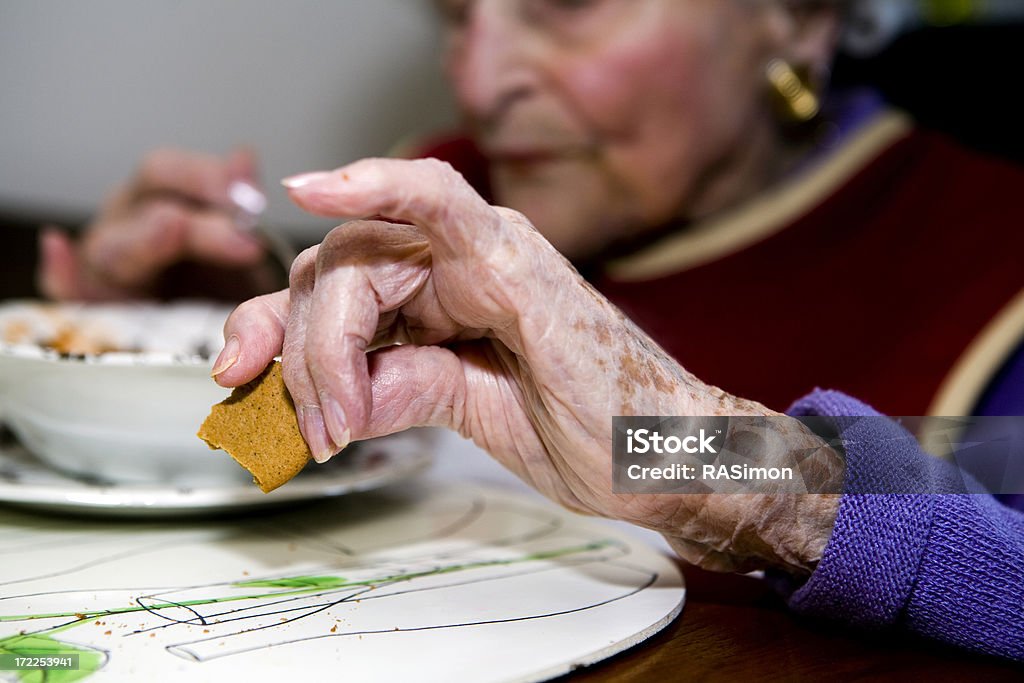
(875, 290)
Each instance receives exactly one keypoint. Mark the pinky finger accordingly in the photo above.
(57, 273)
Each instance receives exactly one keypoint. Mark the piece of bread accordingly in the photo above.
(257, 426)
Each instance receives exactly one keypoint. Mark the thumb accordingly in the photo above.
(245, 190)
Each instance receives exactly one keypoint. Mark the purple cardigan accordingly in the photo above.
(948, 567)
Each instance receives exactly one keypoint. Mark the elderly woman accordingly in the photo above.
(675, 151)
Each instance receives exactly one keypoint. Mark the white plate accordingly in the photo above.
(434, 582)
(26, 481)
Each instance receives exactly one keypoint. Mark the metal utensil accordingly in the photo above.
(250, 203)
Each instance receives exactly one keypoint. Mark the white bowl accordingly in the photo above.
(120, 416)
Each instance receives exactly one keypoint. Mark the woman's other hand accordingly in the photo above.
(179, 206)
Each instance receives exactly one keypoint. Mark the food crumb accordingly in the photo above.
(106, 633)
(206, 630)
(79, 615)
(334, 629)
(152, 635)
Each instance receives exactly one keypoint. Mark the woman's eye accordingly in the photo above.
(573, 4)
(454, 12)
(561, 10)
(569, 5)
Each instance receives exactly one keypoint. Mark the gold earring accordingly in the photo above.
(796, 99)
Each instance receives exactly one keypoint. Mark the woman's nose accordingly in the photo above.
(488, 65)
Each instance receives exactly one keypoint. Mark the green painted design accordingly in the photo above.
(317, 582)
(41, 645)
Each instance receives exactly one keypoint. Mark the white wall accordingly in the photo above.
(87, 86)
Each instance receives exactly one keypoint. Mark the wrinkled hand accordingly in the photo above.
(177, 207)
(501, 340)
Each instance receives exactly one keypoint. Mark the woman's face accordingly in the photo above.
(602, 118)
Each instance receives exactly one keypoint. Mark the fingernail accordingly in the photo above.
(228, 356)
(296, 181)
(247, 197)
(337, 421)
(314, 431)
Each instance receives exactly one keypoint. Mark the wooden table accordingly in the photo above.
(734, 628)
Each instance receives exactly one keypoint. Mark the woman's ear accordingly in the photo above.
(808, 33)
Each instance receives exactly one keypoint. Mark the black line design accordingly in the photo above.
(653, 577)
